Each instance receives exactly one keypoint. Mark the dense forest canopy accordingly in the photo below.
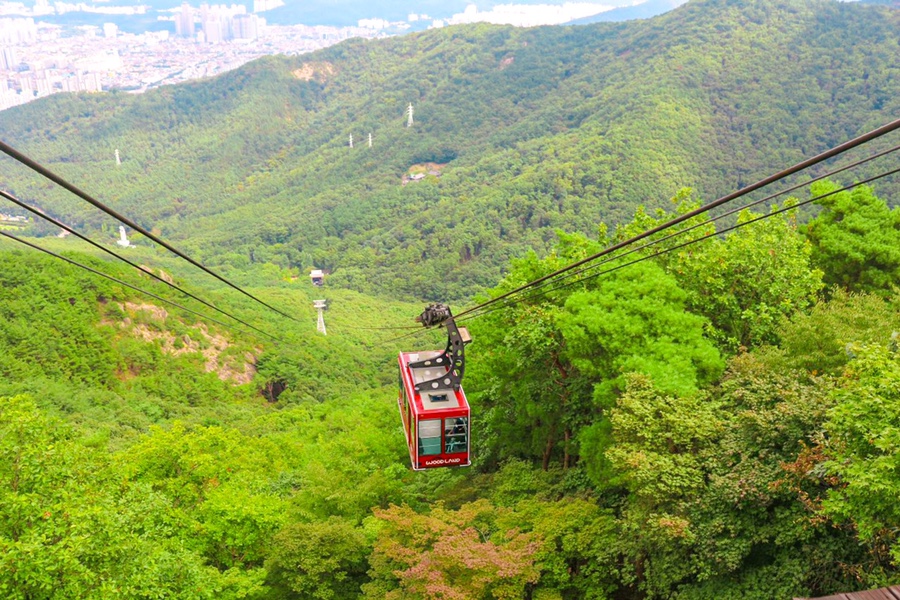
(671, 430)
(721, 420)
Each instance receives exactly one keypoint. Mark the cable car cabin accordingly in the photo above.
(436, 419)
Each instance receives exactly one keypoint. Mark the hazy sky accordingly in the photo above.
(519, 12)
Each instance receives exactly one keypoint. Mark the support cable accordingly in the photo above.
(141, 268)
(684, 244)
(37, 167)
(835, 151)
(681, 232)
(119, 281)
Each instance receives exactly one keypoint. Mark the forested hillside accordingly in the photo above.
(518, 132)
(718, 420)
(671, 430)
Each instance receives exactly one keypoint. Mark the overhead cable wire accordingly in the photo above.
(380, 328)
(680, 232)
(141, 268)
(119, 281)
(419, 331)
(37, 167)
(684, 244)
(805, 164)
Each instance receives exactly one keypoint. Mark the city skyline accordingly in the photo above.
(193, 40)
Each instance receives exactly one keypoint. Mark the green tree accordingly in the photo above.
(533, 398)
(863, 445)
(217, 480)
(70, 527)
(818, 340)
(744, 284)
(322, 560)
(449, 554)
(721, 500)
(578, 556)
(635, 321)
(856, 239)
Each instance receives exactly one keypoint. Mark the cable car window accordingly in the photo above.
(429, 437)
(439, 397)
(456, 434)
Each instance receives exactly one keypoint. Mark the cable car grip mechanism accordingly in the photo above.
(454, 354)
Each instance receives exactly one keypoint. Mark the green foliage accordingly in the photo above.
(216, 478)
(70, 528)
(322, 560)
(716, 508)
(658, 439)
(579, 551)
(856, 239)
(449, 554)
(47, 318)
(635, 321)
(531, 394)
(747, 282)
(549, 365)
(863, 444)
(819, 340)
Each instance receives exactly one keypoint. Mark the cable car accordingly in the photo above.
(433, 407)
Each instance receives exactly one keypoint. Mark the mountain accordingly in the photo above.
(348, 12)
(722, 421)
(644, 10)
(516, 133)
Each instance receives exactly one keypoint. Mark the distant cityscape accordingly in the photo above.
(39, 57)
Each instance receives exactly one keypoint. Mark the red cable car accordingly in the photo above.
(432, 403)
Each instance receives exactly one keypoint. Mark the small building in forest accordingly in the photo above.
(318, 277)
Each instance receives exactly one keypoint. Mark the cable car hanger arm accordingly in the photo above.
(453, 355)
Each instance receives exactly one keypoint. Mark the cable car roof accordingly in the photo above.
(436, 399)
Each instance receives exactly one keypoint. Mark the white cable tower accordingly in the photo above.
(370, 140)
(118, 160)
(123, 238)
(320, 306)
(351, 140)
(409, 115)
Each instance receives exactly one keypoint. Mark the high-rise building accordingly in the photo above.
(246, 27)
(16, 31)
(8, 59)
(215, 28)
(92, 82)
(184, 22)
(110, 30)
(43, 85)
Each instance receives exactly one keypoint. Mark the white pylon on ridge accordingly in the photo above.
(351, 140)
(123, 238)
(118, 160)
(370, 140)
(409, 115)
(320, 306)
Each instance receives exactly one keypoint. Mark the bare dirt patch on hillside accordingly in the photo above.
(228, 366)
(318, 71)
